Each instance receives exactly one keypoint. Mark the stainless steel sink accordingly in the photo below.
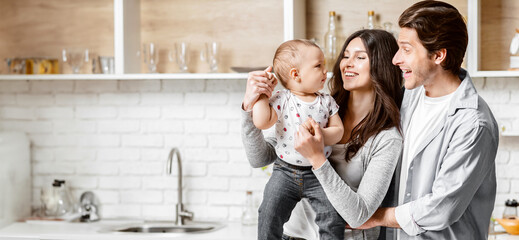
(181, 224)
(167, 228)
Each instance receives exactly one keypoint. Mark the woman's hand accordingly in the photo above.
(311, 146)
(258, 82)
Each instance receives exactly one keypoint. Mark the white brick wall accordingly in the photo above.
(113, 138)
(501, 96)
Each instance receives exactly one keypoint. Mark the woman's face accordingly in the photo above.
(355, 69)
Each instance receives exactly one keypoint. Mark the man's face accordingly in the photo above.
(416, 63)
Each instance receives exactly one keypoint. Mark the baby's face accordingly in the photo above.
(312, 70)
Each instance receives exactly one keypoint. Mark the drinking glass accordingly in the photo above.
(210, 55)
(181, 56)
(107, 64)
(75, 57)
(151, 56)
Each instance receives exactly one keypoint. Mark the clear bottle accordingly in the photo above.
(330, 41)
(371, 20)
(57, 200)
(492, 229)
(514, 51)
(65, 204)
(249, 215)
(388, 26)
(510, 211)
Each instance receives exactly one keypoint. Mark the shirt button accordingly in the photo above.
(408, 194)
(411, 168)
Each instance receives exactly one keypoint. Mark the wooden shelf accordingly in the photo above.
(119, 28)
(131, 22)
(136, 76)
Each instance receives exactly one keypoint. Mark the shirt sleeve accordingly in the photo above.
(259, 150)
(470, 157)
(357, 207)
(333, 107)
(277, 101)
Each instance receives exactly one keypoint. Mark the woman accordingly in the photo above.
(357, 175)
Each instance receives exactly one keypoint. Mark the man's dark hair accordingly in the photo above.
(438, 25)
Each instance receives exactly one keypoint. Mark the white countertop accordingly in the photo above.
(79, 231)
(503, 236)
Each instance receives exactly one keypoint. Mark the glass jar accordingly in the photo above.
(56, 200)
(510, 211)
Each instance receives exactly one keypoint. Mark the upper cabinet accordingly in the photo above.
(248, 32)
(42, 28)
(492, 25)
(353, 15)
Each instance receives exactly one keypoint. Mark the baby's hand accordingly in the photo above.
(308, 126)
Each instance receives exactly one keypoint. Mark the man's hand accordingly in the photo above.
(382, 217)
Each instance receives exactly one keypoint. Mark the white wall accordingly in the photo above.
(113, 137)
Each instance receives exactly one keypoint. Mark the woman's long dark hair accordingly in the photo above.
(387, 82)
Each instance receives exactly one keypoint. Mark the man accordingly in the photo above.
(447, 183)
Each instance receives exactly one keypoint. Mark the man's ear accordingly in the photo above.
(440, 55)
(294, 75)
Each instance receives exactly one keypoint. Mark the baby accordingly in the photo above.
(299, 66)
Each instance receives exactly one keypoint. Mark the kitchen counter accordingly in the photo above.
(79, 231)
(503, 236)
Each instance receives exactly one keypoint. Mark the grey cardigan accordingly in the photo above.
(379, 157)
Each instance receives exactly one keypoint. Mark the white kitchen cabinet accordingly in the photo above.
(137, 21)
(491, 26)
(301, 19)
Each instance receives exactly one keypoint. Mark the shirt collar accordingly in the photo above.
(465, 95)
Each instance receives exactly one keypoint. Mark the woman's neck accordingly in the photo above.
(359, 105)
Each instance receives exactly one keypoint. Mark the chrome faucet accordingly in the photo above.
(181, 214)
(89, 207)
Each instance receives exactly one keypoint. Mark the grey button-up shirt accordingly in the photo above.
(451, 188)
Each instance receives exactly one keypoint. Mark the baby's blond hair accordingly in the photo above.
(288, 56)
